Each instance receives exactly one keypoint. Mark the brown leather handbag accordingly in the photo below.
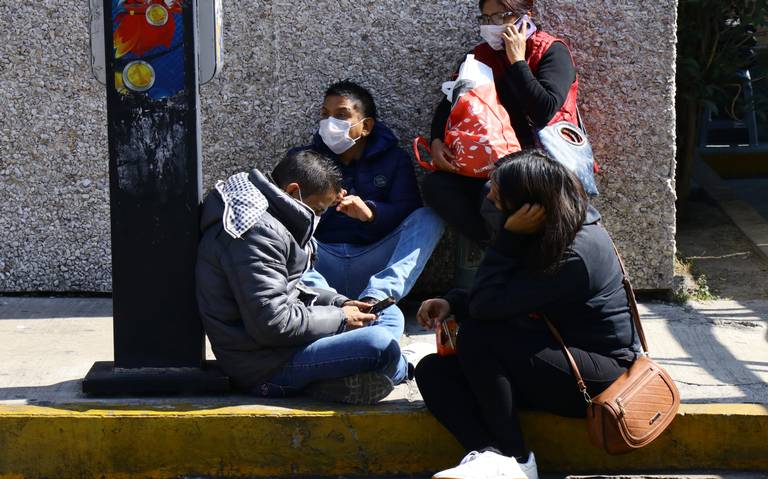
(638, 406)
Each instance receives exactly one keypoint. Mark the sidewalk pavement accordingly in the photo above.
(716, 351)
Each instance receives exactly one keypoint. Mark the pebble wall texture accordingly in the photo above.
(280, 56)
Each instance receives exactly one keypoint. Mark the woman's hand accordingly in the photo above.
(515, 42)
(442, 158)
(527, 220)
(432, 311)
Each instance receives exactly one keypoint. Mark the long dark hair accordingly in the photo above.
(533, 177)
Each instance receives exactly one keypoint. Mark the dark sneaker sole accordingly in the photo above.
(360, 389)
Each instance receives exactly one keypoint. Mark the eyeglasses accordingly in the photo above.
(495, 19)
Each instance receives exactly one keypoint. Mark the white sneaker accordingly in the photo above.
(415, 352)
(529, 467)
(484, 465)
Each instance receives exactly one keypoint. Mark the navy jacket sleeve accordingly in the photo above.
(403, 198)
(504, 289)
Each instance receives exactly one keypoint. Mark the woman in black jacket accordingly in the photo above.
(536, 81)
(552, 257)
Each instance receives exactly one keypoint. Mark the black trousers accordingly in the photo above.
(476, 394)
(458, 200)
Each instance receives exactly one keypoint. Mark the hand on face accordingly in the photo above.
(355, 207)
(529, 219)
(433, 311)
(515, 42)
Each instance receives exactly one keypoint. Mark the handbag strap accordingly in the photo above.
(633, 312)
(632, 301)
(579, 380)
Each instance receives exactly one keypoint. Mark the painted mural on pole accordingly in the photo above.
(148, 40)
(155, 181)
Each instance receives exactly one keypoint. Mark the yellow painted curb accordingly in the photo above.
(46, 442)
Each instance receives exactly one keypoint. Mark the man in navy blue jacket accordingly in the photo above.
(377, 240)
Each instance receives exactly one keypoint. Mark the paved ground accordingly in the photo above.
(716, 351)
(752, 191)
(718, 251)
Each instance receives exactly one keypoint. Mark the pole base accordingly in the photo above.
(105, 380)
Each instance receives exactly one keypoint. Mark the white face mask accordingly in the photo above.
(315, 216)
(335, 134)
(492, 35)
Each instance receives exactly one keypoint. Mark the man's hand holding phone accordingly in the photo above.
(360, 314)
(361, 305)
(380, 306)
(355, 317)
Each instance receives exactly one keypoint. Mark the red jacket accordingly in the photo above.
(536, 47)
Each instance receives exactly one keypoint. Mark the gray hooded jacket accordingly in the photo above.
(254, 308)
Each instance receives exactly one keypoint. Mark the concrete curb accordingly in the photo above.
(42, 442)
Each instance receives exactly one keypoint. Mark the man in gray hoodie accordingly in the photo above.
(271, 334)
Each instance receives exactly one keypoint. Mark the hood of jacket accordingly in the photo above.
(297, 218)
(592, 217)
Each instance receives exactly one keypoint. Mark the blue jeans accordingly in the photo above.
(371, 348)
(389, 267)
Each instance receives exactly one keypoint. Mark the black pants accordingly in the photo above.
(476, 394)
(458, 201)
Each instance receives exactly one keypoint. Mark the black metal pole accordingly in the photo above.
(155, 193)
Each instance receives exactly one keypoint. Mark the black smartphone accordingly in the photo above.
(382, 305)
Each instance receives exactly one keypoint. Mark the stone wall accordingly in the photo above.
(280, 56)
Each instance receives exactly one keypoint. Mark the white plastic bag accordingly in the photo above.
(472, 74)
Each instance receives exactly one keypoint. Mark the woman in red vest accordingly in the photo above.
(536, 82)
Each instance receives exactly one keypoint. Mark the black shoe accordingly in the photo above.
(362, 388)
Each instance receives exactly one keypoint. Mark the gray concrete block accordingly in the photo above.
(279, 58)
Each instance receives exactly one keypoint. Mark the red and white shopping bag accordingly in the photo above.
(479, 131)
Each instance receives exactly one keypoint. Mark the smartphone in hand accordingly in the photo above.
(531, 26)
(382, 305)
